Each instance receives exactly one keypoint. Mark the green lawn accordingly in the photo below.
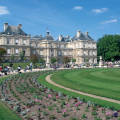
(41, 79)
(101, 82)
(5, 112)
(15, 65)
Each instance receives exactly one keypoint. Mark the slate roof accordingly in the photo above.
(37, 37)
(14, 30)
(48, 37)
(64, 39)
(83, 36)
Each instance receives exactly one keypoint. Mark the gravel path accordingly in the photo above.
(82, 93)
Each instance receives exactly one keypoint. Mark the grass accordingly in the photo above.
(101, 82)
(5, 112)
(41, 79)
(23, 65)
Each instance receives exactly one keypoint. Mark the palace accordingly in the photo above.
(80, 47)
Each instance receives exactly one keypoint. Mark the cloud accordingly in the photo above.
(99, 10)
(77, 8)
(109, 21)
(3, 10)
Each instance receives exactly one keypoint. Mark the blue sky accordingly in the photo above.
(62, 17)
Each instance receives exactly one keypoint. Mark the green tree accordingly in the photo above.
(66, 59)
(12, 57)
(42, 61)
(109, 47)
(33, 59)
(53, 60)
(22, 54)
(73, 60)
(86, 60)
(2, 53)
(112, 59)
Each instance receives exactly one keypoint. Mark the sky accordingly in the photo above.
(62, 17)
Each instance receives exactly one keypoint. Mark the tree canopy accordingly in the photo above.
(22, 54)
(73, 60)
(42, 61)
(33, 58)
(109, 47)
(53, 60)
(2, 52)
(66, 59)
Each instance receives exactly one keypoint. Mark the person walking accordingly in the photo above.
(31, 66)
(11, 66)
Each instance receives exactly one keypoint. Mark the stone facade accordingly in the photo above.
(80, 47)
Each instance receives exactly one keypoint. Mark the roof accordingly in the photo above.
(48, 37)
(64, 39)
(37, 37)
(83, 36)
(13, 30)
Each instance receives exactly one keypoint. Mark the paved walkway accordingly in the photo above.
(82, 93)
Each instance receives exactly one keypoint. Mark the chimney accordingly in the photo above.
(86, 32)
(47, 32)
(68, 36)
(60, 37)
(20, 25)
(41, 36)
(5, 26)
(78, 33)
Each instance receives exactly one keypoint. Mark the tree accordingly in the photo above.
(33, 58)
(12, 57)
(73, 60)
(86, 60)
(66, 59)
(112, 59)
(53, 60)
(109, 47)
(22, 54)
(42, 61)
(2, 52)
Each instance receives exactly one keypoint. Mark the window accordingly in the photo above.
(52, 53)
(84, 52)
(93, 60)
(78, 45)
(16, 51)
(16, 42)
(84, 45)
(74, 45)
(41, 52)
(70, 53)
(89, 53)
(8, 51)
(64, 52)
(93, 45)
(93, 53)
(89, 45)
(71, 46)
(78, 52)
(64, 46)
(59, 53)
(8, 41)
(24, 42)
(34, 52)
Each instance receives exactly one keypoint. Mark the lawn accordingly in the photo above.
(23, 65)
(101, 82)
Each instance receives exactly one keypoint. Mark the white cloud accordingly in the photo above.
(3, 10)
(109, 21)
(77, 8)
(99, 10)
(117, 33)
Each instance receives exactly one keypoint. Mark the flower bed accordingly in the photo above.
(31, 100)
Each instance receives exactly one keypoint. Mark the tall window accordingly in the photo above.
(93, 53)
(8, 41)
(8, 51)
(84, 45)
(52, 53)
(93, 46)
(78, 45)
(16, 51)
(64, 46)
(89, 45)
(24, 42)
(34, 52)
(93, 60)
(59, 53)
(71, 46)
(74, 45)
(41, 52)
(84, 52)
(16, 42)
(64, 52)
(69, 52)
(78, 52)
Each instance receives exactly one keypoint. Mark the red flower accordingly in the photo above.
(118, 110)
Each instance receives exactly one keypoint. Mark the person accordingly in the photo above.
(11, 66)
(27, 68)
(19, 68)
(31, 66)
